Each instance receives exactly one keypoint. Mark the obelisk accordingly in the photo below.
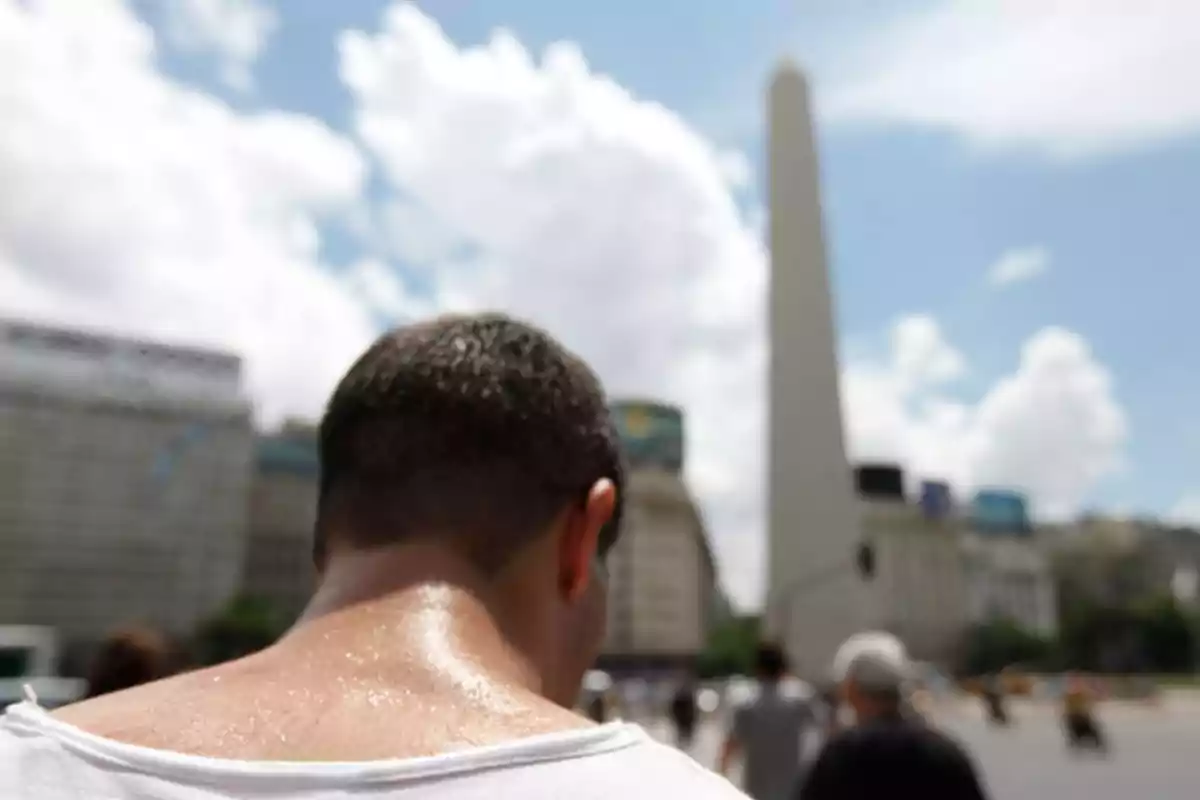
(815, 597)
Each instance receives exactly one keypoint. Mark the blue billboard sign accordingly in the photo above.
(1000, 511)
(936, 501)
(651, 434)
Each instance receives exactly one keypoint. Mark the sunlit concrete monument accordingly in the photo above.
(815, 598)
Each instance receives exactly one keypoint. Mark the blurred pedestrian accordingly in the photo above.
(597, 708)
(888, 751)
(993, 693)
(130, 657)
(683, 714)
(770, 732)
(470, 489)
(1080, 723)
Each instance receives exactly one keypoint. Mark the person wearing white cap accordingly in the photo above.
(889, 750)
(872, 671)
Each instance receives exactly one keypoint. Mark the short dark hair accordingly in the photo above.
(479, 428)
(770, 661)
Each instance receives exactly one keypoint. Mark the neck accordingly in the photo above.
(873, 712)
(417, 609)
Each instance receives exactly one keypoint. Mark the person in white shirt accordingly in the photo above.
(470, 489)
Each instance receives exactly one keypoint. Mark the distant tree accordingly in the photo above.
(1153, 635)
(731, 648)
(992, 646)
(246, 625)
(1168, 635)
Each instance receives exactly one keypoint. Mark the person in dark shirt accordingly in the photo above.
(683, 714)
(889, 751)
(993, 698)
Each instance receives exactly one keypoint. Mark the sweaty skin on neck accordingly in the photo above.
(404, 652)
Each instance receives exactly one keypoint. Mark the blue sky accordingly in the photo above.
(950, 136)
(915, 217)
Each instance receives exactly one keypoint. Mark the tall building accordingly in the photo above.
(124, 467)
(663, 588)
(812, 521)
(1009, 573)
(918, 591)
(282, 515)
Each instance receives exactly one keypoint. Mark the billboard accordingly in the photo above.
(651, 434)
(936, 500)
(1003, 512)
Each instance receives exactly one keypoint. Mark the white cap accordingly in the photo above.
(874, 660)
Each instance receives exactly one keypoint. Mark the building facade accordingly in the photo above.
(124, 467)
(662, 579)
(1174, 556)
(812, 522)
(1009, 569)
(1121, 561)
(282, 515)
(918, 591)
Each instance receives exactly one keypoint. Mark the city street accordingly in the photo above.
(1155, 757)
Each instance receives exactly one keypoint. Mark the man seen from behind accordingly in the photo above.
(889, 751)
(470, 487)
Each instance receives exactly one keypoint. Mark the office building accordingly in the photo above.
(282, 514)
(1009, 573)
(811, 515)
(663, 588)
(124, 467)
(29, 659)
(1173, 553)
(1118, 561)
(918, 589)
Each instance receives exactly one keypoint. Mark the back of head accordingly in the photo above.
(874, 667)
(471, 431)
(770, 662)
(129, 657)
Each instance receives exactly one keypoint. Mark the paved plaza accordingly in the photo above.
(1156, 752)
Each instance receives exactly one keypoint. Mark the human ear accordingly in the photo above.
(581, 537)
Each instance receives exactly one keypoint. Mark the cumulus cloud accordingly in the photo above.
(1019, 265)
(407, 230)
(1186, 510)
(1067, 79)
(234, 31)
(1052, 428)
(604, 218)
(380, 288)
(608, 220)
(136, 205)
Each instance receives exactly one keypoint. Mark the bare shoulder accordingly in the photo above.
(144, 714)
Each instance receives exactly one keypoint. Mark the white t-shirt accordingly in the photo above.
(42, 758)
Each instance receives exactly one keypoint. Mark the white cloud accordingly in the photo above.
(612, 223)
(410, 233)
(603, 218)
(1064, 78)
(1052, 428)
(133, 204)
(380, 288)
(1186, 510)
(1016, 266)
(235, 31)
(736, 168)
